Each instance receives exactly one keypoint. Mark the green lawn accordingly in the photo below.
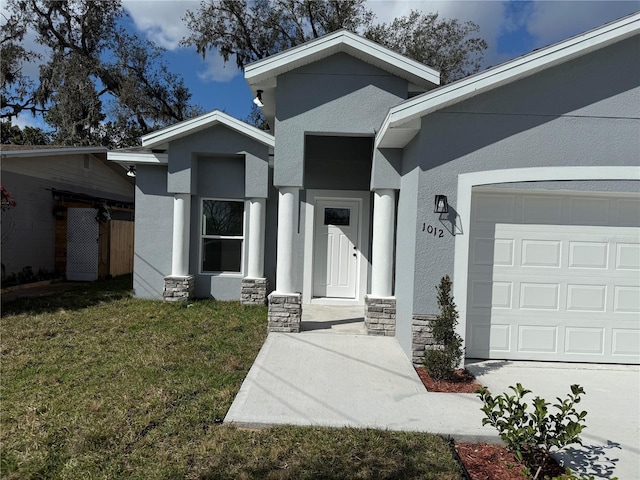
(96, 384)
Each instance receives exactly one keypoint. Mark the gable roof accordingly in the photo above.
(402, 122)
(262, 74)
(161, 138)
(341, 41)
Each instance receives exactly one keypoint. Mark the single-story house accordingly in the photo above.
(73, 214)
(520, 182)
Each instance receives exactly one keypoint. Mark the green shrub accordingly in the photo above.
(442, 361)
(531, 433)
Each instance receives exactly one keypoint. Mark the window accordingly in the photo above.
(222, 235)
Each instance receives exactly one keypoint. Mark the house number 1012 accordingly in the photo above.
(431, 230)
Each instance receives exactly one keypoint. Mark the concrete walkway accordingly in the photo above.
(349, 380)
(322, 378)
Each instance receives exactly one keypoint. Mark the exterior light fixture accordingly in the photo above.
(258, 99)
(132, 171)
(440, 204)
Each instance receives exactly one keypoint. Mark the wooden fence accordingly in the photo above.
(121, 248)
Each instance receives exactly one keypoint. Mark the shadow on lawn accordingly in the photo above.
(79, 296)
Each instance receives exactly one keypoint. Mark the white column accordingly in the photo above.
(181, 226)
(287, 220)
(255, 261)
(384, 206)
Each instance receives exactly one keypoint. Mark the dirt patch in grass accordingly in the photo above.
(464, 382)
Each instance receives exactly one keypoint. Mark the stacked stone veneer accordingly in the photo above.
(380, 315)
(178, 289)
(254, 291)
(422, 339)
(285, 312)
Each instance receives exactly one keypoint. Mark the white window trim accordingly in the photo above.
(202, 236)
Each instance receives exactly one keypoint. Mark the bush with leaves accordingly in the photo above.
(531, 433)
(442, 361)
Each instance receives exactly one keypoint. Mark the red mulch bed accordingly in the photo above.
(484, 461)
(463, 382)
(481, 460)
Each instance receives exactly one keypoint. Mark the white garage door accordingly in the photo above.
(554, 277)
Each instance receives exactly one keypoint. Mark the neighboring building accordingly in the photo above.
(74, 212)
(538, 159)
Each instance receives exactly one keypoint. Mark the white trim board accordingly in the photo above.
(467, 181)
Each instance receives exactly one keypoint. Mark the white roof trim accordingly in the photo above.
(339, 41)
(133, 158)
(202, 122)
(40, 152)
(502, 74)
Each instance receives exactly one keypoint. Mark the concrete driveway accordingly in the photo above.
(611, 441)
(322, 377)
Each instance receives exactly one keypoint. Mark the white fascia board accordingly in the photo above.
(508, 72)
(340, 41)
(132, 158)
(41, 152)
(202, 122)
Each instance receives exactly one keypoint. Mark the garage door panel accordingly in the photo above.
(626, 342)
(588, 255)
(537, 339)
(627, 256)
(626, 299)
(568, 291)
(540, 253)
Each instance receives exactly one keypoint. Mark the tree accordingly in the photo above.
(12, 134)
(250, 31)
(97, 77)
(446, 45)
(442, 360)
(253, 30)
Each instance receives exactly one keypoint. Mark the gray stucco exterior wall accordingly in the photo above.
(583, 113)
(153, 231)
(336, 95)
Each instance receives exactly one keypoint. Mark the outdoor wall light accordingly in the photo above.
(440, 204)
(258, 99)
(132, 171)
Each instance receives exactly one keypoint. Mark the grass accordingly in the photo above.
(97, 384)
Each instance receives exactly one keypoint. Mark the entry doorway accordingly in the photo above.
(336, 226)
(335, 256)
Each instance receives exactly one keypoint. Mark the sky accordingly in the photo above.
(511, 29)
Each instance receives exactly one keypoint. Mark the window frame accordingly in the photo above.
(204, 236)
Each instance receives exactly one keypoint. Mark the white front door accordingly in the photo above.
(335, 258)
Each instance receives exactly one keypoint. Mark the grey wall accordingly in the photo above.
(339, 95)
(153, 231)
(219, 140)
(584, 112)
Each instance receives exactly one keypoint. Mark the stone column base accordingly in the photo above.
(421, 337)
(380, 315)
(177, 289)
(285, 312)
(254, 291)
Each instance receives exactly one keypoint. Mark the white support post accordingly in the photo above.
(181, 226)
(255, 262)
(287, 220)
(382, 245)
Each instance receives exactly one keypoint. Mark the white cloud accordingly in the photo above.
(216, 69)
(161, 20)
